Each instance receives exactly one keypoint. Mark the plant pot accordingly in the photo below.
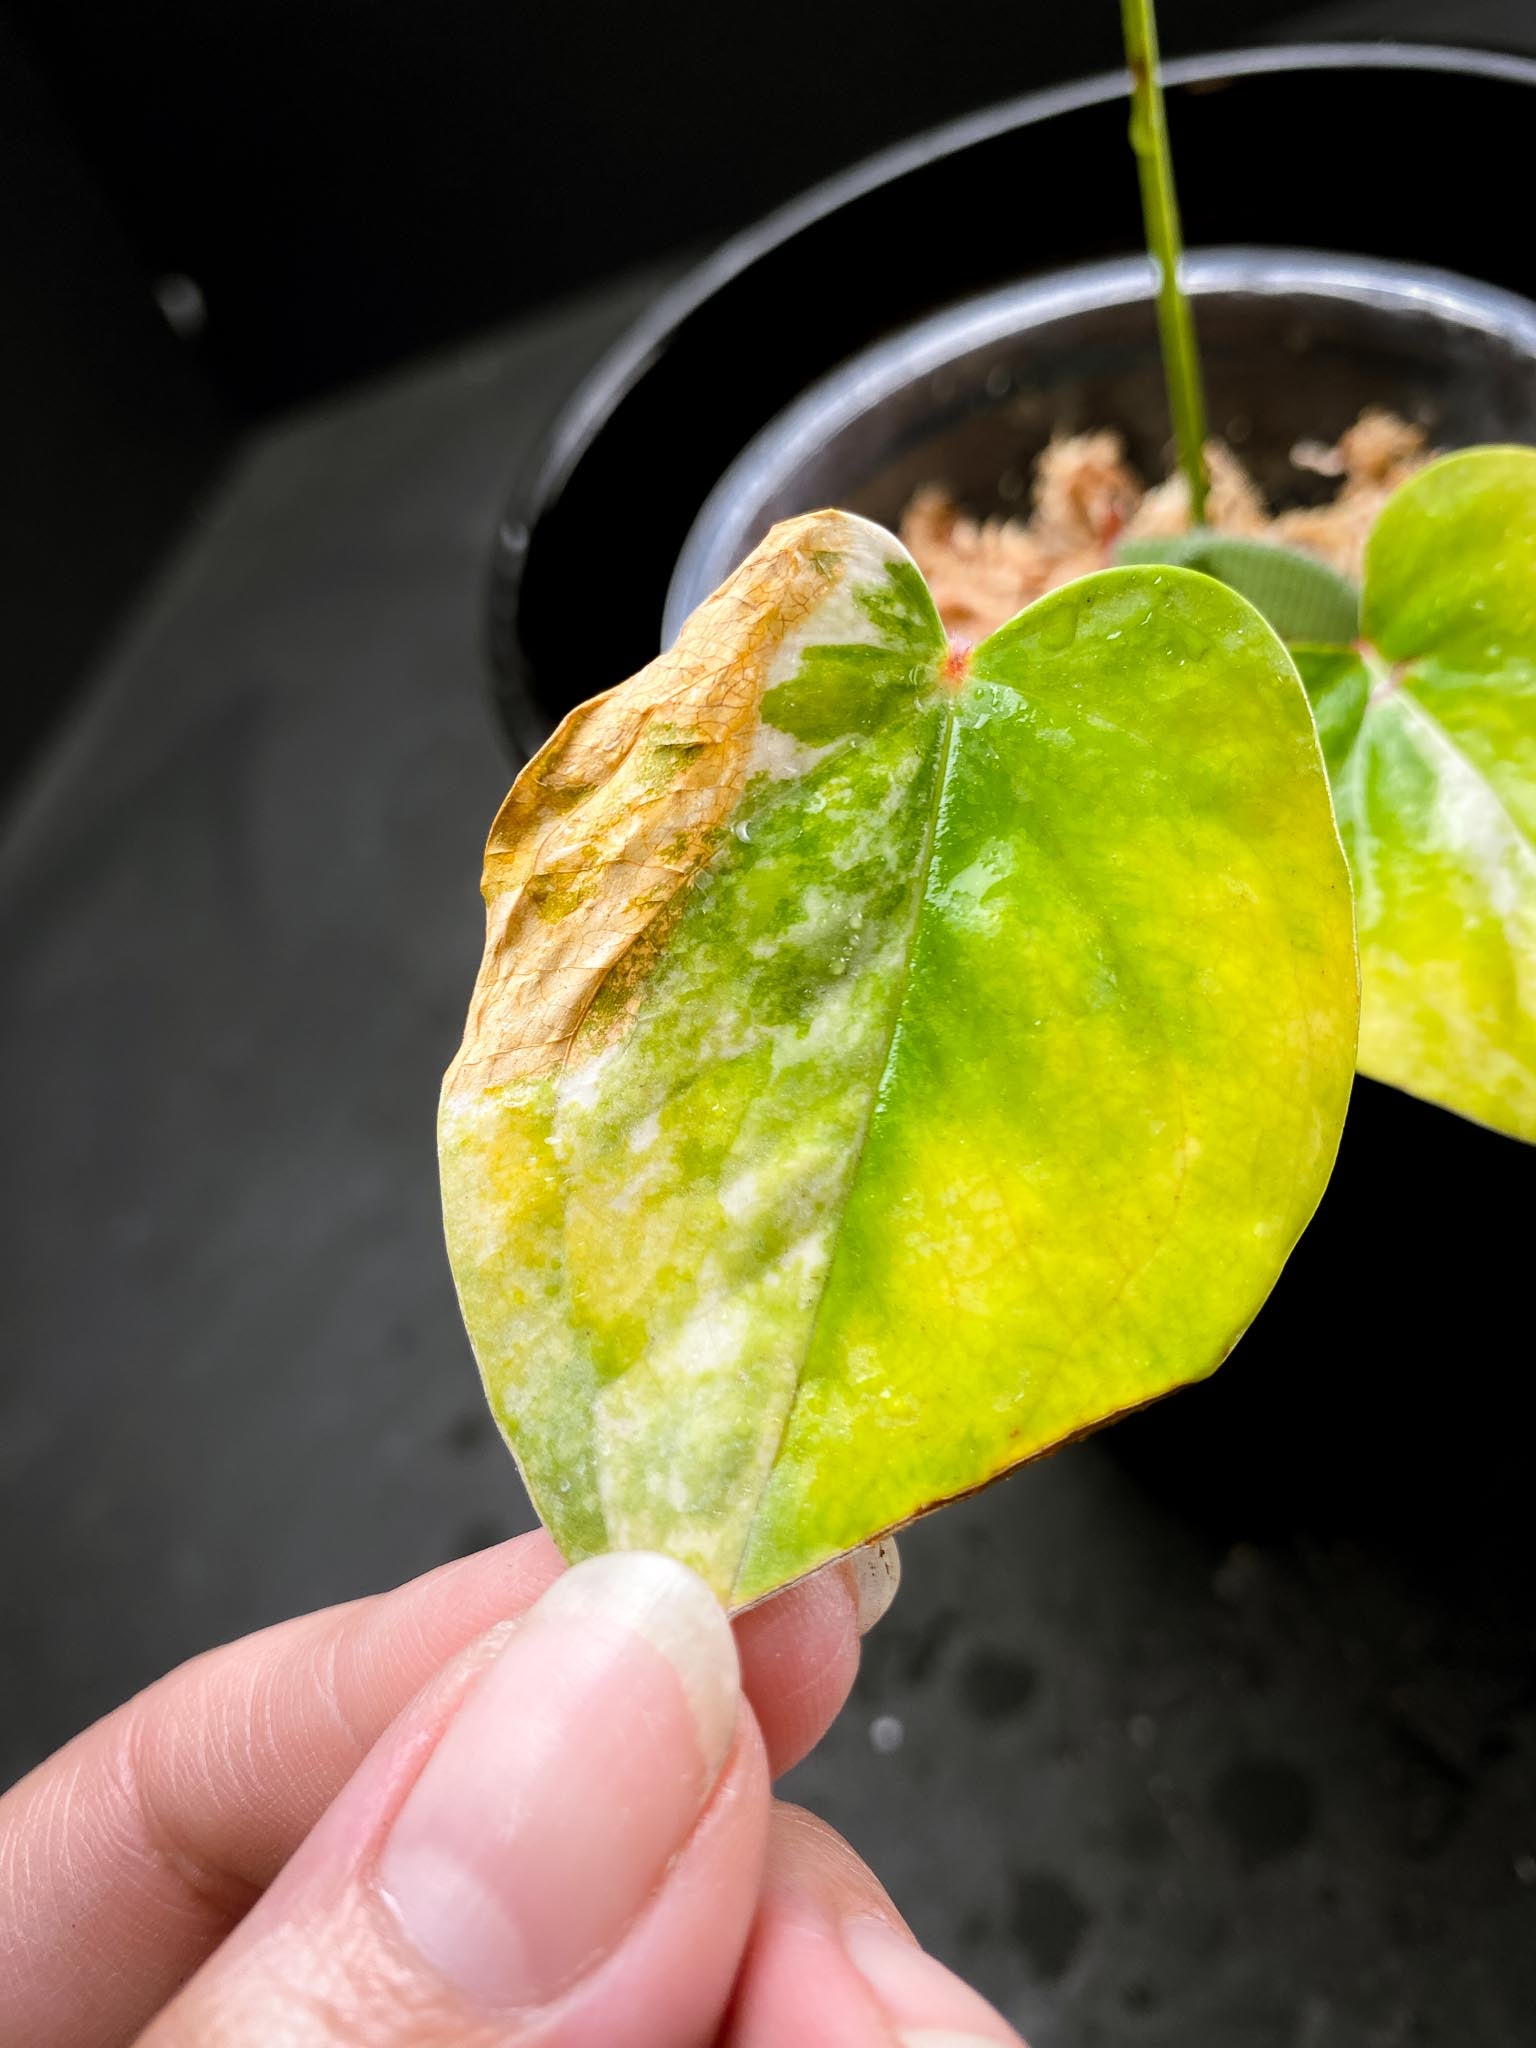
(951, 214)
(1295, 344)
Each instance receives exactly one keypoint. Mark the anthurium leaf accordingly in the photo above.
(1302, 598)
(1429, 725)
(886, 1063)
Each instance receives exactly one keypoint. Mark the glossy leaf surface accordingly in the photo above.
(886, 1066)
(1429, 726)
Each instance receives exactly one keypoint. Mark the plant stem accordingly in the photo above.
(1160, 211)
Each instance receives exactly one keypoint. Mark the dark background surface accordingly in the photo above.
(1151, 1756)
(352, 181)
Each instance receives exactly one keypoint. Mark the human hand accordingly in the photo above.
(506, 1804)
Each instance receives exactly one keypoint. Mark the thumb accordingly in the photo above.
(560, 1843)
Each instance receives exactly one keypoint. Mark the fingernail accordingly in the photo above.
(925, 2005)
(575, 1770)
(876, 1573)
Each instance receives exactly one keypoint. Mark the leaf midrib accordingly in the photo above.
(923, 869)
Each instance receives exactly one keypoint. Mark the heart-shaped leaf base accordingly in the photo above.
(1429, 725)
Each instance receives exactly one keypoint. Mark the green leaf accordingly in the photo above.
(1429, 726)
(887, 1064)
(1302, 598)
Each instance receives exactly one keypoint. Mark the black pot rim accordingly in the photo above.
(715, 541)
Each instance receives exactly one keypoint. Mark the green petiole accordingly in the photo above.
(1160, 211)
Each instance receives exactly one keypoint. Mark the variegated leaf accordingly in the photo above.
(890, 1061)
